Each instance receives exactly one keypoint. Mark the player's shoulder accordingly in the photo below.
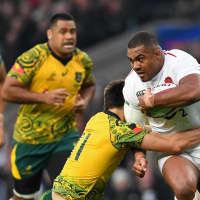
(132, 76)
(178, 54)
(37, 50)
(34, 55)
(83, 57)
(99, 115)
(97, 118)
(81, 53)
(132, 81)
(184, 59)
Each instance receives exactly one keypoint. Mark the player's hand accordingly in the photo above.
(80, 104)
(140, 166)
(56, 97)
(146, 101)
(2, 133)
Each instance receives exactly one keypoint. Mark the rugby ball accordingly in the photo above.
(158, 112)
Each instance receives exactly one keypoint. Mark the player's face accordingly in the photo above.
(146, 62)
(62, 37)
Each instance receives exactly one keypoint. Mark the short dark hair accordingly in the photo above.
(113, 96)
(60, 16)
(143, 38)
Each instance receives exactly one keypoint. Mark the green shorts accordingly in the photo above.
(29, 160)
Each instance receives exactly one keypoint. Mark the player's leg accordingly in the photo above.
(27, 189)
(61, 152)
(182, 176)
(197, 196)
(27, 164)
(56, 163)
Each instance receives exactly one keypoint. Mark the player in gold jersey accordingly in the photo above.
(47, 80)
(104, 143)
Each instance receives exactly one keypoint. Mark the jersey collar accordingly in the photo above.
(64, 61)
(111, 113)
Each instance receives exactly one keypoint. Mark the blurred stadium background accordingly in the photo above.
(104, 28)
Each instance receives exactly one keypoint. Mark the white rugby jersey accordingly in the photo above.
(177, 64)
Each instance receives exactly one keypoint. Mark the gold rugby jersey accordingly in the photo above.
(98, 152)
(41, 71)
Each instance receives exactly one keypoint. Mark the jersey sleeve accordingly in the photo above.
(25, 66)
(132, 110)
(88, 65)
(126, 135)
(186, 65)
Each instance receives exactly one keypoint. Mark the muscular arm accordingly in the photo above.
(186, 93)
(17, 92)
(171, 143)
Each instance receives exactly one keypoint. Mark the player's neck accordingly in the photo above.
(57, 54)
(119, 112)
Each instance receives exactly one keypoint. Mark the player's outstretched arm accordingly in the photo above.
(173, 143)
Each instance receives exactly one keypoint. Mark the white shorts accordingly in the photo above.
(194, 157)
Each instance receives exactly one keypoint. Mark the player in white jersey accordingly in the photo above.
(152, 67)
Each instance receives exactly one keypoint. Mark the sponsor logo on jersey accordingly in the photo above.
(140, 93)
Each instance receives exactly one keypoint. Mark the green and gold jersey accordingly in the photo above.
(98, 152)
(41, 71)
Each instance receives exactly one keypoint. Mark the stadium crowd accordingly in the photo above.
(23, 22)
(28, 21)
